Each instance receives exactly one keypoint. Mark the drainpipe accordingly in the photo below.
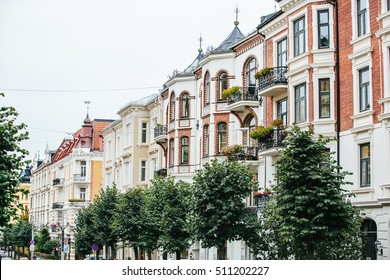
(338, 119)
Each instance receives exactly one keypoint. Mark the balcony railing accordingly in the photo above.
(245, 94)
(57, 205)
(58, 182)
(79, 178)
(245, 153)
(160, 130)
(275, 141)
(275, 77)
(78, 203)
(161, 172)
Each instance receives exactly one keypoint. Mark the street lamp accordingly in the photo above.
(63, 236)
(32, 239)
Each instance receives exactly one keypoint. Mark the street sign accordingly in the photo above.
(95, 247)
(32, 242)
(32, 247)
(66, 249)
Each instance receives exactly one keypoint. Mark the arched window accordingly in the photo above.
(369, 230)
(206, 139)
(250, 81)
(250, 124)
(207, 89)
(222, 136)
(184, 149)
(185, 105)
(223, 83)
(172, 107)
(171, 152)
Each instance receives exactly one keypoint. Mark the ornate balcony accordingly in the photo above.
(79, 178)
(161, 172)
(58, 182)
(246, 97)
(78, 203)
(241, 153)
(269, 147)
(57, 205)
(273, 83)
(160, 133)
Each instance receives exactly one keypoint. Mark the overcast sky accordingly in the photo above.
(56, 54)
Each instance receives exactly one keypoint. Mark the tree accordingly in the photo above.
(169, 203)
(311, 216)
(84, 232)
(103, 214)
(12, 159)
(41, 238)
(22, 233)
(219, 209)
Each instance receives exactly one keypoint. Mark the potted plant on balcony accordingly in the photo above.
(262, 73)
(230, 92)
(233, 152)
(262, 134)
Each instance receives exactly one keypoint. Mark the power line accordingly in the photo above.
(77, 90)
(50, 130)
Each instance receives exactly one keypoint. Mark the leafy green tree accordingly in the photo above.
(22, 233)
(84, 232)
(49, 246)
(41, 238)
(103, 214)
(169, 203)
(219, 209)
(312, 217)
(12, 159)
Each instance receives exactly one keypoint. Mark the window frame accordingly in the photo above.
(279, 113)
(297, 34)
(327, 24)
(184, 148)
(172, 107)
(206, 140)
(207, 89)
(220, 134)
(361, 17)
(280, 52)
(223, 83)
(297, 103)
(143, 170)
(185, 106)
(364, 90)
(144, 132)
(171, 152)
(83, 194)
(320, 95)
(83, 168)
(250, 81)
(365, 166)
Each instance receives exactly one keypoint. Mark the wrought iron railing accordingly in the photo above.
(161, 172)
(58, 181)
(57, 205)
(245, 94)
(275, 77)
(160, 130)
(79, 177)
(245, 153)
(276, 140)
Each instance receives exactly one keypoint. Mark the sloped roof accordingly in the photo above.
(235, 36)
(189, 71)
(142, 102)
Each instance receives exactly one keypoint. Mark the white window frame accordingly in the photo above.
(315, 10)
(316, 92)
(294, 82)
(356, 85)
(292, 19)
(275, 41)
(145, 167)
(354, 16)
(128, 134)
(142, 131)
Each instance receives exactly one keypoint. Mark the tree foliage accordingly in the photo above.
(84, 232)
(12, 159)
(311, 216)
(169, 203)
(40, 239)
(219, 209)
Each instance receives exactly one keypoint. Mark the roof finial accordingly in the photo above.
(200, 50)
(87, 103)
(236, 10)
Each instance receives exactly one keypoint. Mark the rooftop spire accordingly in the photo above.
(200, 50)
(236, 10)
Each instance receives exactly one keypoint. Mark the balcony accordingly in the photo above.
(78, 203)
(241, 153)
(57, 205)
(79, 178)
(160, 133)
(58, 182)
(273, 83)
(246, 97)
(161, 172)
(269, 147)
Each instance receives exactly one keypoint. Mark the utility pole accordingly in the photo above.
(32, 242)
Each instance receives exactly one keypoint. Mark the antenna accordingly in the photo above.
(87, 103)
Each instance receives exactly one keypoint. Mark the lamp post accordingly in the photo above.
(63, 236)
(32, 239)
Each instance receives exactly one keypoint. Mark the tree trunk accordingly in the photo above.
(165, 256)
(178, 255)
(310, 251)
(135, 252)
(113, 250)
(222, 252)
(97, 255)
(149, 255)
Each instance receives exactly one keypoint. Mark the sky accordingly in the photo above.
(56, 54)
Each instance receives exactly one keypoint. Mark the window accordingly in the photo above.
(83, 192)
(185, 106)
(282, 53)
(299, 36)
(206, 139)
(128, 135)
(143, 170)
(184, 150)
(207, 89)
(222, 139)
(300, 103)
(388, 5)
(172, 107)
(118, 145)
(364, 90)
(362, 17)
(282, 110)
(250, 76)
(223, 83)
(144, 132)
(171, 152)
(324, 98)
(127, 172)
(250, 124)
(83, 168)
(109, 149)
(323, 29)
(365, 166)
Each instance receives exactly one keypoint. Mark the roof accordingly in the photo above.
(142, 102)
(189, 71)
(266, 19)
(235, 36)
